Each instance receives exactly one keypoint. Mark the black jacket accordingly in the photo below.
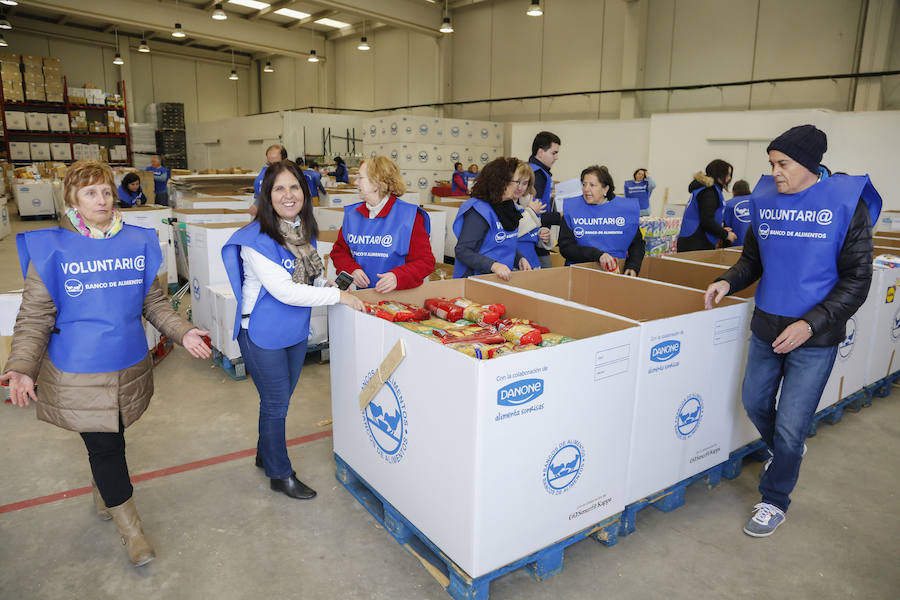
(574, 252)
(829, 317)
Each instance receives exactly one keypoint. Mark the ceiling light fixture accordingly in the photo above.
(234, 75)
(294, 14)
(364, 41)
(250, 4)
(178, 32)
(9, 2)
(3, 43)
(268, 68)
(446, 26)
(219, 13)
(535, 9)
(144, 47)
(312, 56)
(4, 24)
(332, 23)
(118, 59)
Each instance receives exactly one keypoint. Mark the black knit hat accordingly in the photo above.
(804, 143)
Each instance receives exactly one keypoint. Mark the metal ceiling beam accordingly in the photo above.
(63, 20)
(322, 14)
(259, 36)
(356, 29)
(419, 17)
(270, 9)
(109, 28)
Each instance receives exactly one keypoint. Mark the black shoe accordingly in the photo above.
(293, 487)
(259, 461)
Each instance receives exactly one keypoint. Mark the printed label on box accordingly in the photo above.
(726, 331)
(611, 361)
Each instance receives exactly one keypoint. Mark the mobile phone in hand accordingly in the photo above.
(343, 280)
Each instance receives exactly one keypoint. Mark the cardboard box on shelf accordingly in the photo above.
(223, 305)
(37, 121)
(58, 122)
(50, 61)
(77, 96)
(16, 120)
(688, 367)
(32, 60)
(34, 198)
(118, 153)
(60, 151)
(10, 58)
(547, 412)
(40, 151)
(15, 94)
(10, 74)
(104, 154)
(35, 94)
(19, 151)
(33, 79)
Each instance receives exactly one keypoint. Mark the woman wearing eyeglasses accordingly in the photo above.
(487, 224)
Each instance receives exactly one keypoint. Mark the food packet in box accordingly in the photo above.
(401, 311)
(469, 334)
(521, 334)
(554, 339)
(478, 350)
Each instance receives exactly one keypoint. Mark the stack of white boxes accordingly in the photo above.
(426, 148)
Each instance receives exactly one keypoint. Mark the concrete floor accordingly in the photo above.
(220, 532)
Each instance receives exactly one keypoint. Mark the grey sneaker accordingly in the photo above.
(765, 520)
(769, 462)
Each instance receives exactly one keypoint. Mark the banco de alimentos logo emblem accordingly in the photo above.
(845, 348)
(73, 287)
(563, 467)
(687, 418)
(764, 230)
(385, 420)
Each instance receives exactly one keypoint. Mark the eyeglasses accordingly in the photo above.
(520, 182)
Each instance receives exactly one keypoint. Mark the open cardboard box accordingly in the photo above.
(156, 217)
(185, 216)
(688, 367)
(490, 459)
(451, 208)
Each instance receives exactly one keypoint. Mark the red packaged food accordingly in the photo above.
(529, 322)
(401, 311)
(521, 334)
(470, 334)
(444, 309)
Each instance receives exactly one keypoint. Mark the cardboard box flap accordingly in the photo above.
(688, 273)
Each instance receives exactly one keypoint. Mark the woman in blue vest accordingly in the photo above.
(383, 241)
(701, 225)
(737, 211)
(640, 188)
(599, 226)
(458, 185)
(79, 329)
(487, 224)
(277, 275)
(130, 192)
(340, 172)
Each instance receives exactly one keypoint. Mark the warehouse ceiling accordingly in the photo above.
(253, 27)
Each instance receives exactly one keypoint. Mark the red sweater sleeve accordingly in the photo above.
(419, 260)
(341, 255)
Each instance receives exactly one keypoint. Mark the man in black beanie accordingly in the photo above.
(810, 247)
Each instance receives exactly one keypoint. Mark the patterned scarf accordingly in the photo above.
(90, 231)
(308, 265)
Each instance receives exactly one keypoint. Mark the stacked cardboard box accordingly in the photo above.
(115, 123)
(79, 121)
(53, 80)
(118, 153)
(37, 121)
(15, 120)
(11, 76)
(86, 151)
(33, 68)
(59, 122)
(77, 96)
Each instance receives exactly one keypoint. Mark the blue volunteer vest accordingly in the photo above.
(548, 189)
(527, 245)
(640, 191)
(130, 197)
(273, 324)
(381, 244)
(499, 244)
(458, 183)
(257, 183)
(800, 239)
(311, 181)
(98, 287)
(690, 221)
(160, 177)
(341, 173)
(609, 227)
(737, 216)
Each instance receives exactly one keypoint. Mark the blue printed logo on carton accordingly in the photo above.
(665, 351)
(563, 467)
(386, 421)
(520, 392)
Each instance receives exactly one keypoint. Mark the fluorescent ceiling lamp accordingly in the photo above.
(219, 13)
(535, 9)
(312, 56)
(178, 32)
(268, 68)
(294, 14)
(118, 59)
(446, 27)
(333, 23)
(233, 76)
(4, 24)
(144, 47)
(363, 44)
(9, 2)
(3, 43)
(250, 4)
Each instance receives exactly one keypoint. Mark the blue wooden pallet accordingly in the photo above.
(235, 368)
(755, 450)
(667, 499)
(541, 564)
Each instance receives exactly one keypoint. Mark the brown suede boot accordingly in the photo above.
(129, 523)
(102, 511)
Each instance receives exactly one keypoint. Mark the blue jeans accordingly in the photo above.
(802, 374)
(275, 374)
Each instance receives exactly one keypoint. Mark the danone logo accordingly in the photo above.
(845, 348)
(687, 419)
(36, 202)
(520, 392)
(500, 237)
(74, 287)
(385, 420)
(665, 351)
(742, 211)
(563, 467)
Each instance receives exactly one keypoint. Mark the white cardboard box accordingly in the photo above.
(207, 268)
(34, 198)
(16, 120)
(452, 209)
(58, 122)
(884, 346)
(40, 150)
(494, 459)
(208, 203)
(36, 121)
(19, 150)
(674, 210)
(60, 151)
(181, 238)
(688, 368)
(156, 217)
(5, 228)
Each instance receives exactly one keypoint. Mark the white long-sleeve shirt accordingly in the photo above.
(260, 272)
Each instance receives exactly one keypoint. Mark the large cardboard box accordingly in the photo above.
(688, 367)
(157, 218)
(207, 268)
(9, 308)
(451, 209)
(37, 121)
(40, 150)
(224, 306)
(495, 459)
(181, 238)
(210, 203)
(883, 354)
(58, 122)
(5, 228)
(34, 198)
(60, 151)
(16, 120)
(674, 210)
(19, 151)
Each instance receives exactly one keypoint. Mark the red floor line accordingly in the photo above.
(191, 466)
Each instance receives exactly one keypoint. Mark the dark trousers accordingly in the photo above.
(275, 374)
(106, 452)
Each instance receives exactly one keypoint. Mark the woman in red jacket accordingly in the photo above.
(383, 241)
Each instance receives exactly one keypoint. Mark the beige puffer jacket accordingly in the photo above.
(84, 401)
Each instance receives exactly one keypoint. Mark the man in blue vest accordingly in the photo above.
(274, 153)
(810, 246)
(544, 154)
(161, 177)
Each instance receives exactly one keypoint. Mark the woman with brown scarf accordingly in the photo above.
(277, 275)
